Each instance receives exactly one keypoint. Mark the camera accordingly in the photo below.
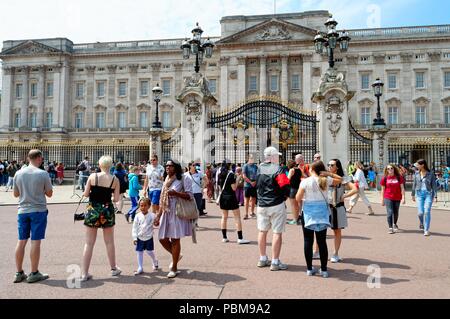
(78, 217)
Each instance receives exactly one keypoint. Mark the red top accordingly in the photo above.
(393, 190)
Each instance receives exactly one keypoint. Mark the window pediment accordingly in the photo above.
(121, 107)
(393, 102)
(143, 107)
(79, 108)
(366, 102)
(446, 100)
(100, 108)
(421, 101)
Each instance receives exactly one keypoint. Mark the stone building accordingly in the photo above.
(74, 100)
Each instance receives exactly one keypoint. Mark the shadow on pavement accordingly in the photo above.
(145, 279)
(351, 275)
(219, 279)
(421, 233)
(356, 237)
(367, 262)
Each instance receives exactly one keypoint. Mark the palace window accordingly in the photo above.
(79, 90)
(100, 120)
(365, 116)
(166, 87)
(166, 119)
(420, 80)
(16, 120)
(33, 90)
(365, 82)
(393, 115)
(252, 84)
(19, 90)
(122, 88)
(447, 79)
(79, 120)
(143, 119)
(295, 82)
(33, 120)
(447, 114)
(274, 83)
(121, 120)
(213, 86)
(392, 81)
(48, 119)
(101, 89)
(420, 115)
(50, 89)
(143, 88)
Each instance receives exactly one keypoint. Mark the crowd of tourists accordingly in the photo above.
(315, 192)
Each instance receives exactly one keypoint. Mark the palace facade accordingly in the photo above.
(76, 100)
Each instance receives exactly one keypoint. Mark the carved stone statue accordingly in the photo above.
(274, 33)
(334, 109)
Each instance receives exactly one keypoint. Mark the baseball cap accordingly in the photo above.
(271, 151)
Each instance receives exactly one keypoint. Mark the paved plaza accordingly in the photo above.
(411, 265)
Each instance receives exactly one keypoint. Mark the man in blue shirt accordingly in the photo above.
(250, 173)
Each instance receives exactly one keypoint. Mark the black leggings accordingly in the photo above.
(323, 249)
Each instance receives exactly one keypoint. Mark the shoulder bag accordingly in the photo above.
(186, 209)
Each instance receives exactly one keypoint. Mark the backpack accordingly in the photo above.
(82, 167)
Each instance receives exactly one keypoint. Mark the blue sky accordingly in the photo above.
(118, 20)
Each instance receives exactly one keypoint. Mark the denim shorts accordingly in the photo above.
(154, 196)
(32, 223)
(145, 245)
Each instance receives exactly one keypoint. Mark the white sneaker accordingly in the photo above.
(426, 234)
(391, 231)
(335, 259)
(116, 272)
(85, 278)
(225, 240)
(173, 274)
(243, 241)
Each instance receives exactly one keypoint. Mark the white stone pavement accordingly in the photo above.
(66, 194)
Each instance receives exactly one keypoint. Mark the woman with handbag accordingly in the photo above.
(312, 196)
(99, 189)
(171, 227)
(121, 174)
(228, 201)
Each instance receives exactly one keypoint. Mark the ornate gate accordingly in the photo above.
(256, 124)
(171, 148)
(361, 147)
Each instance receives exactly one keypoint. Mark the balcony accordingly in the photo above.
(401, 32)
(407, 126)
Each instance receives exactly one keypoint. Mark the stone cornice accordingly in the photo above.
(133, 67)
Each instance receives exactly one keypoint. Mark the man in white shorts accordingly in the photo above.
(272, 189)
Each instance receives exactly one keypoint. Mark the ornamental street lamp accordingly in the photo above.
(197, 47)
(378, 91)
(157, 92)
(330, 40)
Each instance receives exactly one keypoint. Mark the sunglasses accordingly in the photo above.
(170, 165)
(331, 165)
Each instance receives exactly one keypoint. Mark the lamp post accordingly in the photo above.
(379, 127)
(157, 92)
(197, 47)
(378, 91)
(330, 40)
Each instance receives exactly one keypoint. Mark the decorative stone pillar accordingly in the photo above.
(380, 148)
(111, 96)
(436, 85)
(41, 96)
(284, 78)
(224, 81)
(156, 71)
(332, 112)
(155, 142)
(406, 85)
(242, 87)
(178, 66)
(56, 95)
(90, 90)
(7, 98)
(306, 81)
(197, 101)
(25, 98)
(263, 76)
(133, 94)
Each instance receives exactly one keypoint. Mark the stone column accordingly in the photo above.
(56, 95)
(306, 81)
(380, 148)
(406, 92)
(41, 96)
(263, 76)
(7, 98)
(25, 98)
(133, 95)
(284, 78)
(332, 112)
(242, 78)
(178, 76)
(90, 90)
(155, 142)
(436, 85)
(111, 96)
(156, 71)
(224, 82)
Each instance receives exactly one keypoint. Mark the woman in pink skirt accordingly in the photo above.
(172, 228)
